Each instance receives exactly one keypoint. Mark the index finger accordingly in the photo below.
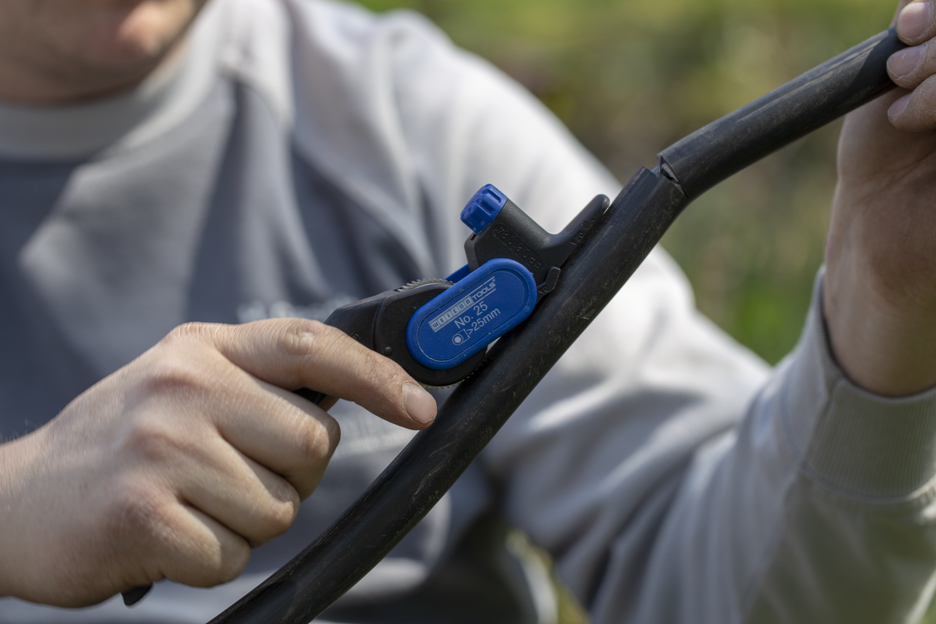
(299, 353)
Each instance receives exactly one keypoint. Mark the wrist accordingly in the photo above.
(883, 340)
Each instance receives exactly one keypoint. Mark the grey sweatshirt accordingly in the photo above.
(304, 154)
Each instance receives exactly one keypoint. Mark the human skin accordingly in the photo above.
(879, 295)
(59, 51)
(180, 462)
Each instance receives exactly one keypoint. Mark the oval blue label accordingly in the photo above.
(471, 314)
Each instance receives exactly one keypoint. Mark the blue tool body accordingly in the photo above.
(439, 330)
(471, 314)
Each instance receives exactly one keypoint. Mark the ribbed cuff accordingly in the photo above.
(858, 443)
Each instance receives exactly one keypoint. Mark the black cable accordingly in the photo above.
(476, 410)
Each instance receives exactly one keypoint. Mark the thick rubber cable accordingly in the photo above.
(477, 409)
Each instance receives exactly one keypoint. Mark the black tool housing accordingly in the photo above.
(515, 236)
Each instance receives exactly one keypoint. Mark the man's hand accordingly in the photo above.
(177, 464)
(880, 284)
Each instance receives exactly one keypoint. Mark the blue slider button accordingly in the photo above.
(483, 208)
(470, 315)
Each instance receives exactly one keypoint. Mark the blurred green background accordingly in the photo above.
(630, 77)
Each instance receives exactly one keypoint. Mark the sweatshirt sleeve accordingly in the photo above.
(671, 474)
(815, 506)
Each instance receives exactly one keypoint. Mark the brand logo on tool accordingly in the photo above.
(473, 299)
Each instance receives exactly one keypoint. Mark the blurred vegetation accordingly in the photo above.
(630, 77)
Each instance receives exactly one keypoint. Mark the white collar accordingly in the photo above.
(123, 120)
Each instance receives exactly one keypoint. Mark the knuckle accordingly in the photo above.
(302, 342)
(154, 440)
(212, 560)
(280, 516)
(136, 512)
(301, 338)
(220, 562)
(234, 563)
(174, 375)
(317, 439)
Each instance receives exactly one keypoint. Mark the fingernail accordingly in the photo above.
(419, 404)
(903, 62)
(914, 20)
(897, 108)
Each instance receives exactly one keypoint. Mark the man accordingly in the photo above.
(291, 156)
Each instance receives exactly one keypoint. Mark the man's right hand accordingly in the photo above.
(180, 462)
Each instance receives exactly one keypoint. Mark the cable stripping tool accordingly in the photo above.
(438, 330)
